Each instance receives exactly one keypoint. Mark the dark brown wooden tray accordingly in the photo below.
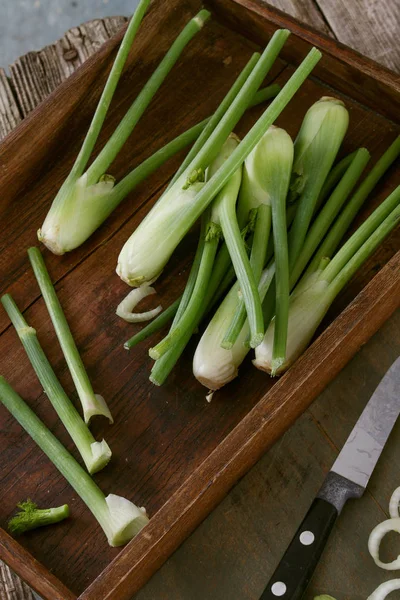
(172, 451)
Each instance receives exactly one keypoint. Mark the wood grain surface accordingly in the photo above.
(322, 434)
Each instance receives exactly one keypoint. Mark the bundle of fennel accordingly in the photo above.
(275, 226)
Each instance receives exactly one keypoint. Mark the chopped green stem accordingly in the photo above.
(158, 323)
(335, 175)
(92, 404)
(76, 476)
(329, 212)
(30, 517)
(364, 251)
(360, 237)
(129, 121)
(195, 305)
(217, 116)
(339, 228)
(257, 261)
(95, 454)
(109, 89)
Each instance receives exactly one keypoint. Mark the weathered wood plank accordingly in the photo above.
(369, 26)
(12, 587)
(306, 11)
(36, 74)
(10, 115)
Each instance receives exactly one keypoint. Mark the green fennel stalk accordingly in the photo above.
(95, 455)
(332, 240)
(265, 185)
(329, 212)
(82, 201)
(315, 150)
(194, 306)
(151, 164)
(316, 291)
(92, 404)
(119, 518)
(179, 208)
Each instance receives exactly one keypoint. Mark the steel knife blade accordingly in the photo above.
(364, 445)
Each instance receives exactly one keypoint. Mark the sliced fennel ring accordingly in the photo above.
(125, 308)
(394, 504)
(385, 589)
(375, 539)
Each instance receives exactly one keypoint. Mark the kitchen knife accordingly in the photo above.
(347, 479)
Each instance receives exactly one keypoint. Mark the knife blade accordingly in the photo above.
(364, 445)
(347, 479)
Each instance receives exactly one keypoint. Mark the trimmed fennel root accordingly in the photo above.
(119, 518)
(95, 455)
(315, 150)
(30, 517)
(81, 204)
(316, 291)
(92, 404)
(175, 212)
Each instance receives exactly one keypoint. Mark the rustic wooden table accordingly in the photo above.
(231, 555)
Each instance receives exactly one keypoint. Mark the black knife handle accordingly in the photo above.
(295, 570)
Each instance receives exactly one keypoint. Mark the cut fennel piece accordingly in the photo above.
(95, 455)
(92, 404)
(119, 518)
(30, 517)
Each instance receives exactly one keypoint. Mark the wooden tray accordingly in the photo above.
(172, 451)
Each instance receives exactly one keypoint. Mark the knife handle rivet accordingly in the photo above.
(279, 589)
(307, 538)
